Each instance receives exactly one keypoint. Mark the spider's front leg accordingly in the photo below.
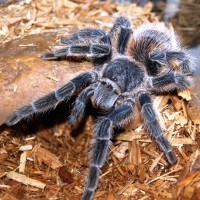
(152, 126)
(104, 128)
(124, 27)
(51, 100)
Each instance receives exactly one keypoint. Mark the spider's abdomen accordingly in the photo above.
(152, 37)
(126, 74)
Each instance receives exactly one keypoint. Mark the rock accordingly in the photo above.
(194, 105)
(24, 76)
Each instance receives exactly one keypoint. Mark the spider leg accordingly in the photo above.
(184, 61)
(165, 58)
(152, 126)
(91, 34)
(80, 104)
(94, 44)
(169, 82)
(119, 117)
(89, 51)
(51, 100)
(124, 27)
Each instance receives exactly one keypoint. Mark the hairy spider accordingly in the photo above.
(147, 61)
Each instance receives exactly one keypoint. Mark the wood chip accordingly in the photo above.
(22, 162)
(120, 151)
(185, 94)
(111, 196)
(154, 155)
(181, 141)
(176, 102)
(155, 162)
(45, 156)
(134, 153)
(117, 165)
(129, 136)
(196, 165)
(49, 137)
(4, 186)
(164, 176)
(188, 179)
(25, 180)
(25, 148)
(8, 196)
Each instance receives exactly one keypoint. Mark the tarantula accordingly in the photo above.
(147, 61)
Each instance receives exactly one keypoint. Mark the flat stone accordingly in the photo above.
(24, 76)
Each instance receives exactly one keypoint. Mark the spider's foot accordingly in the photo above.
(166, 147)
(20, 114)
(88, 194)
(171, 157)
(13, 119)
(48, 56)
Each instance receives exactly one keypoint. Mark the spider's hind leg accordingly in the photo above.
(119, 117)
(123, 26)
(168, 58)
(184, 59)
(153, 127)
